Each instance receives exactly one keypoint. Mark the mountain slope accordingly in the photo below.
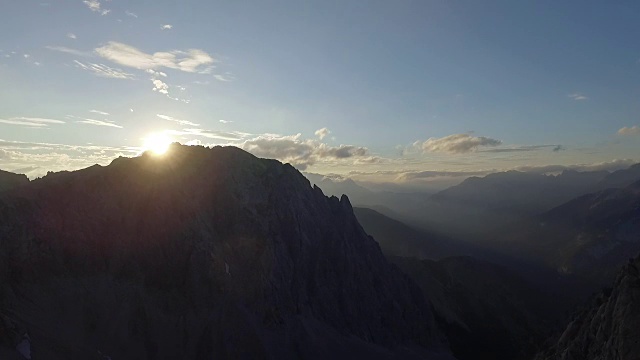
(608, 327)
(398, 239)
(486, 311)
(204, 252)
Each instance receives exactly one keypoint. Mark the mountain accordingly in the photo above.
(200, 253)
(620, 178)
(10, 180)
(520, 192)
(608, 327)
(592, 235)
(486, 311)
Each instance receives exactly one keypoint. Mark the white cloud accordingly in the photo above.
(192, 60)
(322, 133)
(167, 27)
(30, 121)
(95, 6)
(156, 73)
(104, 70)
(179, 121)
(577, 96)
(634, 130)
(458, 143)
(99, 123)
(72, 36)
(160, 86)
(68, 50)
(99, 112)
(26, 56)
(129, 13)
(298, 152)
(225, 121)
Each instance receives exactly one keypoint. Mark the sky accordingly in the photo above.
(404, 92)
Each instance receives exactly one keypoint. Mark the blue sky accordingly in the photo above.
(399, 87)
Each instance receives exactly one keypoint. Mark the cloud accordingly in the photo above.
(68, 50)
(99, 112)
(577, 96)
(156, 73)
(30, 121)
(211, 134)
(72, 36)
(166, 27)
(192, 60)
(129, 13)
(179, 121)
(298, 152)
(99, 123)
(525, 148)
(225, 121)
(104, 70)
(321, 133)
(458, 144)
(160, 86)
(95, 6)
(634, 130)
(226, 77)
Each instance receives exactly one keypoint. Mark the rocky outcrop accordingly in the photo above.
(201, 253)
(607, 328)
(9, 180)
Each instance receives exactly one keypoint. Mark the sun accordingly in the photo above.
(157, 143)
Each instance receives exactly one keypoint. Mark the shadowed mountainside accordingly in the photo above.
(198, 253)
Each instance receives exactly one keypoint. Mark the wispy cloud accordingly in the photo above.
(192, 60)
(104, 70)
(72, 36)
(99, 123)
(179, 121)
(322, 133)
(457, 144)
(225, 121)
(525, 148)
(99, 112)
(633, 130)
(166, 27)
(211, 134)
(226, 77)
(31, 121)
(578, 96)
(131, 14)
(67, 50)
(95, 6)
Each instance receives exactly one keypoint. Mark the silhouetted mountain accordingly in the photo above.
(486, 311)
(608, 327)
(201, 253)
(10, 180)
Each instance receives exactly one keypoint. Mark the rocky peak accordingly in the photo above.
(202, 252)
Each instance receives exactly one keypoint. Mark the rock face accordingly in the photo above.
(609, 327)
(10, 180)
(202, 253)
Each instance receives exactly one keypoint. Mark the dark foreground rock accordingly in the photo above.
(608, 327)
(202, 253)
